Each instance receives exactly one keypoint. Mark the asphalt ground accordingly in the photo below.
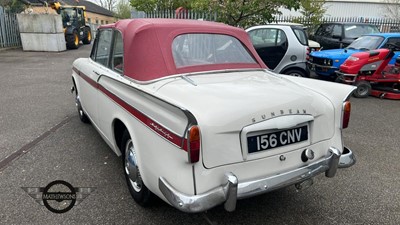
(42, 140)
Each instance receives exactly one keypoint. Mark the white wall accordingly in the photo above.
(348, 8)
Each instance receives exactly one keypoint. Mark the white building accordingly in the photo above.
(350, 8)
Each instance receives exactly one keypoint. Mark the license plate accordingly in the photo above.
(276, 139)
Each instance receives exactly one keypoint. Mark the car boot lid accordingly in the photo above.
(221, 104)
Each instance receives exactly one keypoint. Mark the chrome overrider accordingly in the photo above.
(232, 190)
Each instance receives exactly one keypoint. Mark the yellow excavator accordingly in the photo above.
(74, 23)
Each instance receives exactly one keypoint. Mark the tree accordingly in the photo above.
(241, 13)
(123, 9)
(13, 6)
(151, 5)
(391, 9)
(107, 4)
(313, 12)
(244, 13)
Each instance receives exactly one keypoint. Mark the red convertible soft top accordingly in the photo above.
(148, 51)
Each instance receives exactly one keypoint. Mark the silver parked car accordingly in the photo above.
(283, 48)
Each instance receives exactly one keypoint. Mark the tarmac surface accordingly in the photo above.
(42, 140)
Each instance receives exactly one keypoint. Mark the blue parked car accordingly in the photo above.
(324, 63)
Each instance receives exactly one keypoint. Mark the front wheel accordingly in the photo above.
(72, 40)
(87, 36)
(140, 193)
(363, 89)
(296, 73)
(82, 115)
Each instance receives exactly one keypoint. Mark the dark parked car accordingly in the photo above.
(339, 35)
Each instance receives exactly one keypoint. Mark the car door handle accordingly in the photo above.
(98, 74)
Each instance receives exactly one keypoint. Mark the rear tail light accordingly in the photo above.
(193, 144)
(346, 114)
(308, 53)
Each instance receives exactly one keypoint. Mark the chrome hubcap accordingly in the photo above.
(131, 168)
(362, 90)
(78, 105)
(295, 74)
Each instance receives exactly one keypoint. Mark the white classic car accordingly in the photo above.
(198, 118)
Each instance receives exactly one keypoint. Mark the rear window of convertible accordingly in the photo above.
(205, 49)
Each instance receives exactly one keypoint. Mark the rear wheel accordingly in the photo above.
(72, 40)
(363, 89)
(82, 115)
(295, 73)
(140, 193)
(87, 36)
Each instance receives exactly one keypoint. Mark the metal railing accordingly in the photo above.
(9, 32)
(174, 14)
(384, 24)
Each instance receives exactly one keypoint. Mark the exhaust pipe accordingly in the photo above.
(304, 185)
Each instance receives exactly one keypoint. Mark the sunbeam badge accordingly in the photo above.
(59, 196)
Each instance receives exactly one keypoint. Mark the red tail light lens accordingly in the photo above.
(346, 114)
(193, 144)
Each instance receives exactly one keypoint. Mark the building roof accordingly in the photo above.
(151, 41)
(90, 6)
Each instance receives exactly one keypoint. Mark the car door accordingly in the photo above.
(320, 35)
(333, 36)
(271, 45)
(112, 74)
(99, 61)
(329, 36)
(336, 38)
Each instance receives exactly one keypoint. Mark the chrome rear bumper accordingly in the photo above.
(232, 190)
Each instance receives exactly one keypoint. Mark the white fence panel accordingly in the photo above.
(9, 33)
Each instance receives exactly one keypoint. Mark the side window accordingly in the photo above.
(80, 12)
(267, 37)
(325, 30)
(328, 30)
(259, 36)
(117, 61)
(281, 39)
(320, 30)
(395, 41)
(337, 30)
(103, 47)
(301, 36)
